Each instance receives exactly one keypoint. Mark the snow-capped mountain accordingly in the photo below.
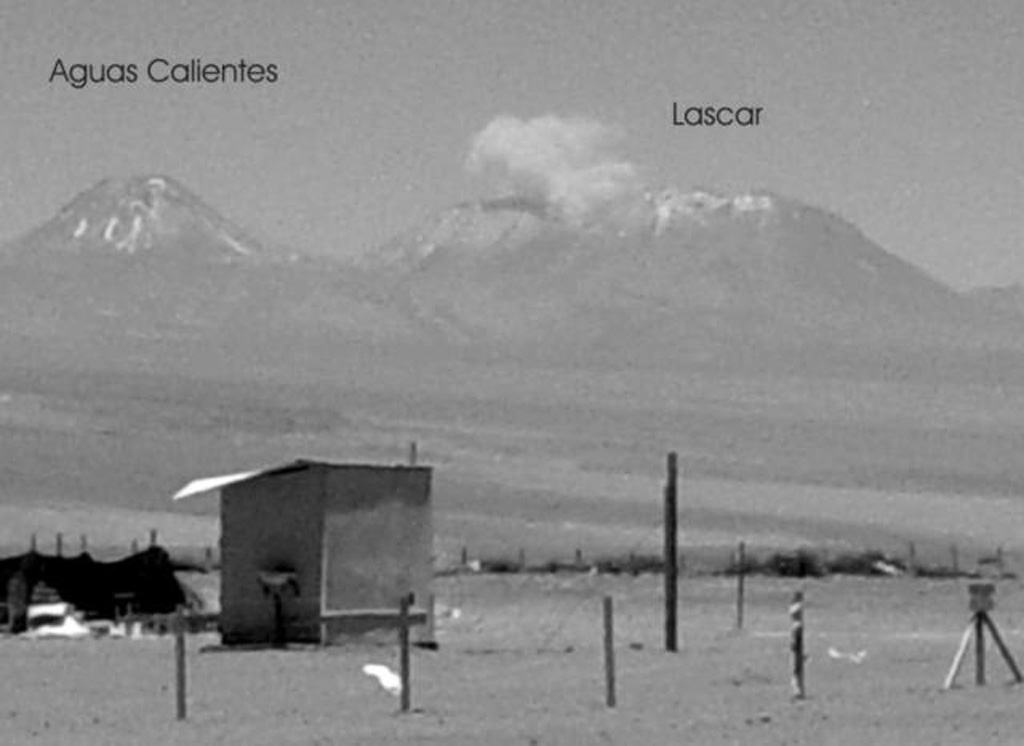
(146, 215)
(145, 262)
(665, 278)
(689, 275)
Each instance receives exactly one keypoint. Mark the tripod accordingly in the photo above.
(981, 604)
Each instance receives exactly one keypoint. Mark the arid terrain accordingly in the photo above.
(818, 391)
(520, 663)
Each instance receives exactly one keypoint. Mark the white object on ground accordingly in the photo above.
(388, 679)
(69, 628)
(887, 568)
(857, 657)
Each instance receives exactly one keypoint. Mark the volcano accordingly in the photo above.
(153, 216)
(675, 278)
(144, 336)
(144, 269)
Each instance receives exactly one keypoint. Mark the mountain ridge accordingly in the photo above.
(670, 279)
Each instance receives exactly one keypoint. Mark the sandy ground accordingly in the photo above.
(520, 663)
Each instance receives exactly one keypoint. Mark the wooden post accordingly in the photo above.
(85, 544)
(796, 617)
(671, 556)
(412, 453)
(579, 557)
(465, 556)
(741, 570)
(609, 652)
(179, 661)
(32, 543)
(403, 650)
(60, 544)
(152, 537)
(208, 558)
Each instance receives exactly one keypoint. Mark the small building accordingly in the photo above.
(317, 552)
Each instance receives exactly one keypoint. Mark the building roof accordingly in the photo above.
(209, 484)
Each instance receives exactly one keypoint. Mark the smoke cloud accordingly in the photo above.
(566, 163)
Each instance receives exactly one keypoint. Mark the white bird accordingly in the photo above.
(857, 657)
(388, 679)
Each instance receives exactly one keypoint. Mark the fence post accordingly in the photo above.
(179, 658)
(796, 617)
(741, 570)
(609, 652)
(403, 650)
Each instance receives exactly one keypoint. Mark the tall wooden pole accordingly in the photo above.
(671, 556)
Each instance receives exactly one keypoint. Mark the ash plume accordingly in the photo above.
(568, 164)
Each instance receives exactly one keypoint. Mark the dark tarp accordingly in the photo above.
(145, 581)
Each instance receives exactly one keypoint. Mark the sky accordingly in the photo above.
(906, 118)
